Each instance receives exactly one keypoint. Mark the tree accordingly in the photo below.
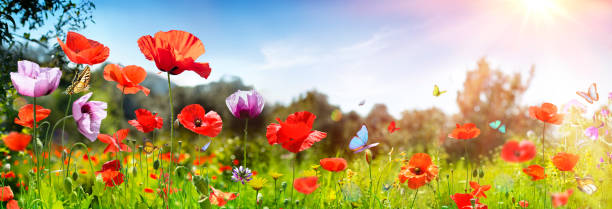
(20, 15)
(490, 95)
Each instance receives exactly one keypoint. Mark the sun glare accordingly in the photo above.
(545, 8)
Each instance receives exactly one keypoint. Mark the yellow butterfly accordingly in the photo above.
(437, 92)
(149, 147)
(586, 184)
(80, 83)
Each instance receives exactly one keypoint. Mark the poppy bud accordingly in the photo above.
(176, 123)
(513, 200)
(7, 167)
(286, 201)
(481, 174)
(473, 202)
(75, 176)
(284, 185)
(297, 202)
(68, 184)
(475, 173)
(39, 144)
(368, 156)
(201, 184)
(156, 164)
(135, 171)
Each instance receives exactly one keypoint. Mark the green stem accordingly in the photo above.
(293, 179)
(414, 198)
(171, 128)
(38, 170)
(544, 163)
(467, 164)
(246, 126)
(370, 199)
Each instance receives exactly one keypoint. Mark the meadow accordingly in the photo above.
(184, 160)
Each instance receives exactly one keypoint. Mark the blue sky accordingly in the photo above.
(391, 52)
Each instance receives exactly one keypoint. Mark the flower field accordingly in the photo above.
(160, 171)
(103, 118)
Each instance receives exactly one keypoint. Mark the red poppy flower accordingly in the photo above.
(306, 185)
(113, 165)
(516, 152)
(560, 199)
(295, 134)
(16, 141)
(114, 142)
(174, 52)
(127, 78)
(479, 191)
(112, 178)
(546, 113)
(465, 131)
(565, 161)
(6, 193)
(146, 121)
(524, 203)
(464, 201)
(12, 204)
(10, 174)
(333, 164)
(419, 171)
(195, 118)
(153, 176)
(25, 116)
(220, 198)
(391, 128)
(81, 50)
(148, 190)
(235, 162)
(535, 171)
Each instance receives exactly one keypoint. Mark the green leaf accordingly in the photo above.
(58, 205)
(85, 203)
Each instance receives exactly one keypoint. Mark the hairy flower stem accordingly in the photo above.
(370, 200)
(467, 164)
(293, 179)
(36, 151)
(414, 198)
(544, 163)
(171, 128)
(246, 126)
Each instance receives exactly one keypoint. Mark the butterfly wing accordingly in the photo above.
(205, 147)
(436, 91)
(585, 96)
(81, 83)
(502, 129)
(495, 124)
(149, 147)
(586, 185)
(593, 92)
(357, 142)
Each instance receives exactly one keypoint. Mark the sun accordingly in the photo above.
(543, 8)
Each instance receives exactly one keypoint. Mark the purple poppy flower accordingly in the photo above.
(33, 81)
(88, 115)
(245, 104)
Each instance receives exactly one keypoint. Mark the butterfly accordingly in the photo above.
(592, 94)
(205, 147)
(586, 184)
(149, 147)
(80, 83)
(359, 143)
(391, 128)
(437, 92)
(362, 102)
(497, 125)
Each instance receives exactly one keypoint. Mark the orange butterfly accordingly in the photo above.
(592, 94)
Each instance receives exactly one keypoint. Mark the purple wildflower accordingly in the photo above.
(88, 115)
(242, 174)
(33, 81)
(245, 104)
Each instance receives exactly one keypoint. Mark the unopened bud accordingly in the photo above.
(368, 156)
(176, 123)
(156, 164)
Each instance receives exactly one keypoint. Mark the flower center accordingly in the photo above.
(198, 123)
(418, 171)
(517, 153)
(85, 109)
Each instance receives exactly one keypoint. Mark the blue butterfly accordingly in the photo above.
(205, 147)
(591, 95)
(359, 142)
(497, 125)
